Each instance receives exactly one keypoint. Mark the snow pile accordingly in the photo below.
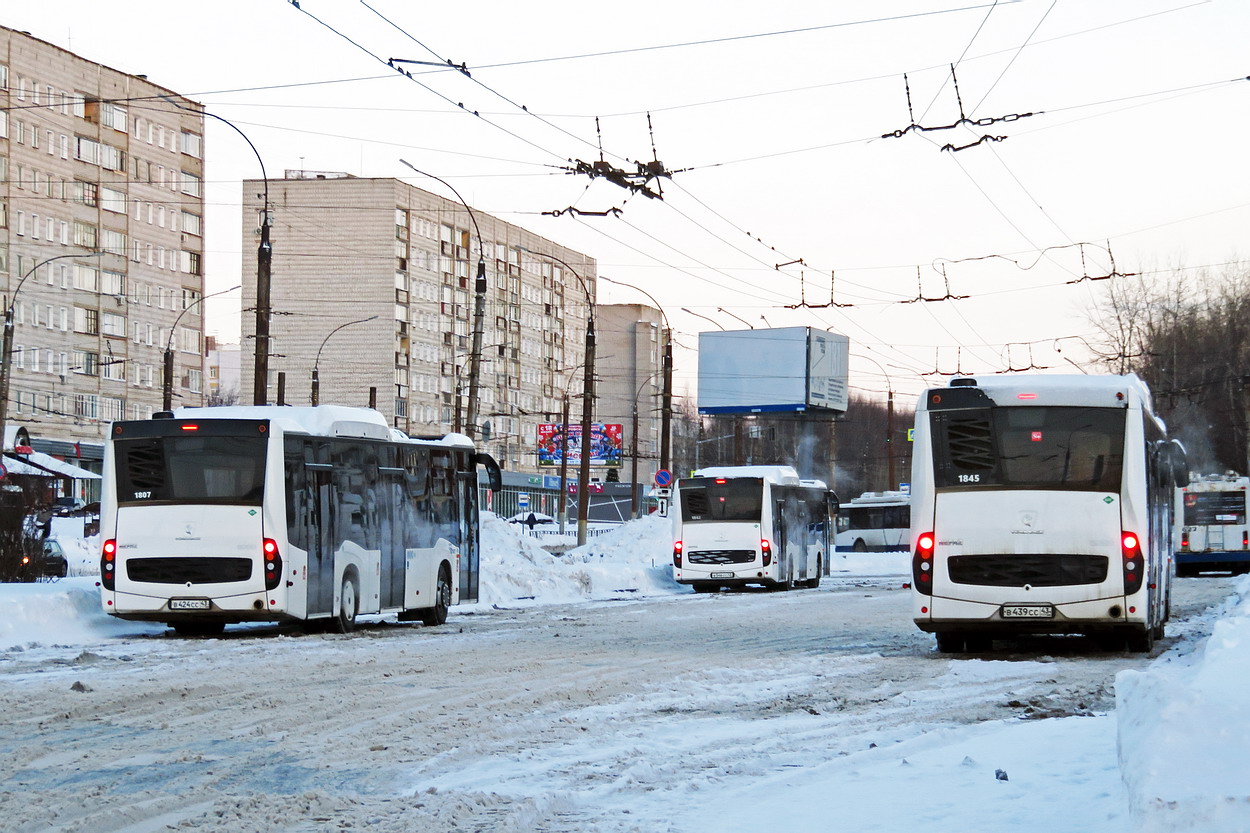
(1183, 732)
(634, 559)
(65, 612)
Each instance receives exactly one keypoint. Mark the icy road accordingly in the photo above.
(680, 713)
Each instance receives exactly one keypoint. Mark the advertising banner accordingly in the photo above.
(605, 444)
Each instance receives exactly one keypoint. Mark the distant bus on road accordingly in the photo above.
(1211, 524)
(751, 525)
(221, 515)
(1042, 504)
(875, 522)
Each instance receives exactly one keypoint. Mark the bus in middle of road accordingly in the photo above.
(751, 525)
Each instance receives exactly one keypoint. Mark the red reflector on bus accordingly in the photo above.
(720, 481)
(190, 428)
(1026, 396)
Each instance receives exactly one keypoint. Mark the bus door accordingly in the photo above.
(466, 485)
(321, 538)
(781, 531)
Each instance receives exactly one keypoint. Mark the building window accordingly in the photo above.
(191, 224)
(191, 184)
(86, 321)
(192, 144)
(86, 363)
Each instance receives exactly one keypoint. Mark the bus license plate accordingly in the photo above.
(1028, 611)
(722, 575)
(188, 604)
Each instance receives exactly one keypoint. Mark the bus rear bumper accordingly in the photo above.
(185, 605)
(1193, 562)
(1097, 615)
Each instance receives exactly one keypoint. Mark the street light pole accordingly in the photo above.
(666, 366)
(588, 395)
(479, 314)
(264, 262)
(731, 315)
(167, 381)
(6, 347)
(315, 398)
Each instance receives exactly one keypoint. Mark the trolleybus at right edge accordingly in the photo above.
(1211, 524)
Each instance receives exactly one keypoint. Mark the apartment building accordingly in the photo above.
(101, 239)
(372, 289)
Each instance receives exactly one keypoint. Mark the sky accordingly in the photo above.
(1168, 758)
(800, 183)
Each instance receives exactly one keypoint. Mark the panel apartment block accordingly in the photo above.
(102, 213)
(372, 286)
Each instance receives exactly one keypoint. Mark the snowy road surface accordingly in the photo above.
(811, 710)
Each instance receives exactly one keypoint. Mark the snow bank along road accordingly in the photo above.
(611, 716)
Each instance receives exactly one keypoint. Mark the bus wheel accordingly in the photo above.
(860, 546)
(1185, 571)
(949, 643)
(815, 582)
(345, 620)
(704, 587)
(437, 615)
(1142, 641)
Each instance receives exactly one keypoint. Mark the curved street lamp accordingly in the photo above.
(704, 317)
(479, 310)
(264, 262)
(666, 366)
(167, 382)
(731, 315)
(889, 421)
(6, 350)
(315, 398)
(588, 395)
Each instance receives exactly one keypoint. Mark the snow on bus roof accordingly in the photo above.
(320, 421)
(775, 474)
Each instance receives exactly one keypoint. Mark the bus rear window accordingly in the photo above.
(1029, 448)
(704, 499)
(195, 469)
(1207, 508)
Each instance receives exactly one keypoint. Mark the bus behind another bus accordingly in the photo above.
(1211, 528)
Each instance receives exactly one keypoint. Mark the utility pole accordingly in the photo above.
(264, 259)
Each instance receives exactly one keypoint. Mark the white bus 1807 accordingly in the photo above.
(875, 522)
(1042, 504)
(740, 525)
(1212, 530)
(214, 516)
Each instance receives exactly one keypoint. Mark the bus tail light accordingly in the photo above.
(922, 563)
(1134, 562)
(766, 550)
(677, 554)
(1185, 541)
(108, 564)
(273, 563)
(1245, 540)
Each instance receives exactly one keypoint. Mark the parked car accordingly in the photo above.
(55, 564)
(68, 505)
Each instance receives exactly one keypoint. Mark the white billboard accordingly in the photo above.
(775, 370)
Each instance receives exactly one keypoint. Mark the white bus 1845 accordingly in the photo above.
(1211, 523)
(212, 516)
(875, 522)
(740, 525)
(1042, 504)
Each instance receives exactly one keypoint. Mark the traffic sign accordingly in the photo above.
(523, 501)
(663, 478)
